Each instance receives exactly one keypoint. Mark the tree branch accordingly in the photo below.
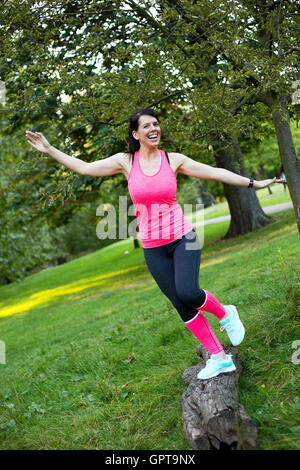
(165, 98)
(146, 15)
(152, 22)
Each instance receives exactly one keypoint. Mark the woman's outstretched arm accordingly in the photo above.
(190, 167)
(106, 167)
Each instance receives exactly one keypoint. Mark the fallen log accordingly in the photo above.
(212, 415)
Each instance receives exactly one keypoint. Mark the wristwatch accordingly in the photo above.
(250, 185)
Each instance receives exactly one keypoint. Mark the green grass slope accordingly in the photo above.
(95, 351)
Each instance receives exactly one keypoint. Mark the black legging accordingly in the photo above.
(175, 268)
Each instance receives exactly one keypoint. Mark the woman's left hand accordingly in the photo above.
(264, 183)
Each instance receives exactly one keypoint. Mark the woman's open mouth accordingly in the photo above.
(153, 136)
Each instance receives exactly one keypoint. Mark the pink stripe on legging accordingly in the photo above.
(200, 327)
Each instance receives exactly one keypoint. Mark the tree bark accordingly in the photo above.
(262, 176)
(280, 114)
(245, 210)
(288, 157)
(212, 415)
(136, 243)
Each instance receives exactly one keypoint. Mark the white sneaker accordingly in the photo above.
(216, 366)
(233, 325)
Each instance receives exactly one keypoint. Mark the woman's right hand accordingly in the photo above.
(38, 141)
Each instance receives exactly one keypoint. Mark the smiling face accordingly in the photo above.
(149, 132)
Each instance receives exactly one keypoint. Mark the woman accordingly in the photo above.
(170, 243)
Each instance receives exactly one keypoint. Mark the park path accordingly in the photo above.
(268, 210)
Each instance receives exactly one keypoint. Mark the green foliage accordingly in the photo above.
(76, 70)
(189, 191)
(206, 57)
(263, 157)
(25, 244)
(79, 234)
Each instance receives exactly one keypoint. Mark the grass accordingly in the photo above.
(95, 352)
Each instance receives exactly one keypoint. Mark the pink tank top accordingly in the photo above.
(159, 216)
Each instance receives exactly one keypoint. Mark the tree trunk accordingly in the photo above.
(245, 210)
(213, 418)
(264, 176)
(280, 114)
(288, 156)
(136, 243)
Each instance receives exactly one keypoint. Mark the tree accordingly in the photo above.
(112, 57)
(266, 70)
(246, 212)
(253, 50)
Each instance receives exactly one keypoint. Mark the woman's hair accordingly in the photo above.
(134, 144)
